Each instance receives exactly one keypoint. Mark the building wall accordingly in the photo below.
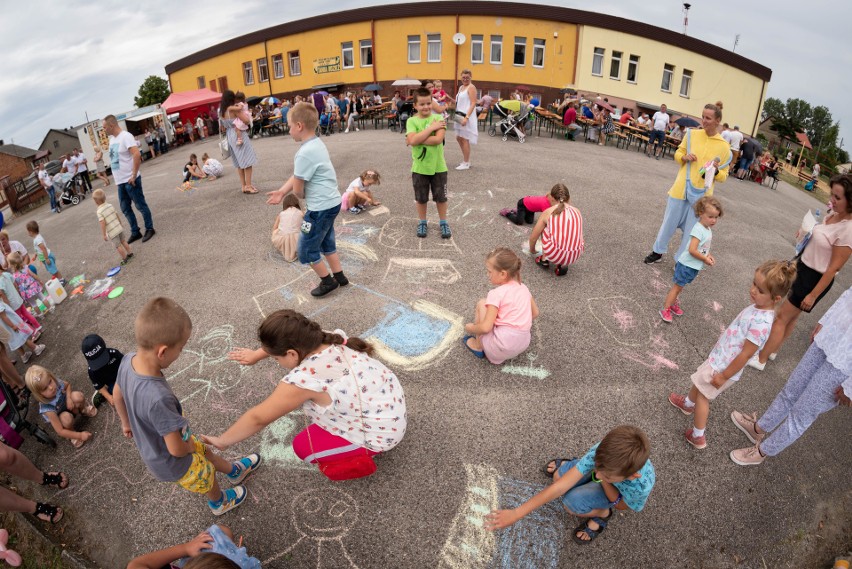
(14, 166)
(741, 93)
(58, 143)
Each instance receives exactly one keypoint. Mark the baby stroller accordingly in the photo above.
(13, 420)
(513, 113)
(71, 193)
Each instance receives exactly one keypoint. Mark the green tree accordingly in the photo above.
(788, 118)
(821, 129)
(153, 90)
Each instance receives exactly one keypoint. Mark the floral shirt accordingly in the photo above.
(753, 325)
(27, 285)
(367, 409)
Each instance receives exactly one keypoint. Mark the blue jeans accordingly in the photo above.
(683, 275)
(585, 495)
(679, 215)
(319, 238)
(51, 191)
(132, 194)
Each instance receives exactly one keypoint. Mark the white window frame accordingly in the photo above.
(495, 94)
(597, 60)
(433, 41)
(278, 66)
(347, 47)
(201, 82)
(248, 73)
(295, 62)
(477, 41)
(615, 59)
(496, 41)
(366, 45)
(522, 42)
(686, 83)
(633, 62)
(414, 41)
(262, 70)
(538, 47)
(668, 70)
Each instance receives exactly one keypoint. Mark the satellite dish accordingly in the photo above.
(459, 38)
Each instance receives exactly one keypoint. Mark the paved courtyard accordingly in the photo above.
(478, 434)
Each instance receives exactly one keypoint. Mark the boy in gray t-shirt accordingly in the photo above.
(152, 415)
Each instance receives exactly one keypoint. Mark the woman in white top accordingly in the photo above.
(466, 129)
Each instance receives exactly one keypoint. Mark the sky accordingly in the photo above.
(63, 62)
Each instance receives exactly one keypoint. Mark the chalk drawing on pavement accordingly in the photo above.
(516, 366)
(398, 233)
(276, 446)
(323, 516)
(421, 271)
(469, 545)
(208, 367)
(286, 290)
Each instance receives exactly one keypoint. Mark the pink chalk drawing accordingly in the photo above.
(652, 361)
(624, 318)
(716, 306)
(658, 342)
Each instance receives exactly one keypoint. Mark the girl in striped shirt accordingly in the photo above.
(561, 230)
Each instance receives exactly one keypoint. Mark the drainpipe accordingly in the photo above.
(456, 74)
(268, 74)
(373, 43)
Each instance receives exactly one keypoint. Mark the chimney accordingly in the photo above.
(2, 142)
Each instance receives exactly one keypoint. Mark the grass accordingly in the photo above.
(37, 552)
(793, 180)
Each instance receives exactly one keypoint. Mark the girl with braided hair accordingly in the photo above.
(561, 230)
(354, 403)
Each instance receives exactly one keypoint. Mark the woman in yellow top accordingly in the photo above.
(705, 144)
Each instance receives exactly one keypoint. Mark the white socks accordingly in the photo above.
(697, 432)
(688, 402)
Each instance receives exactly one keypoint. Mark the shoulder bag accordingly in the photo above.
(223, 142)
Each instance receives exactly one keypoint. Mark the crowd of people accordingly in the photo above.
(354, 403)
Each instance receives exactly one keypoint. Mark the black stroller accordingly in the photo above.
(72, 191)
(13, 420)
(513, 113)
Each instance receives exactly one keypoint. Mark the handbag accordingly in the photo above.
(459, 116)
(352, 467)
(223, 143)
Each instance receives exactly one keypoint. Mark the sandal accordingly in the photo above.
(57, 479)
(542, 261)
(48, 512)
(77, 443)
(557, 463)
(478, 353)
(90, 411)
(249, 190)
(591, 533)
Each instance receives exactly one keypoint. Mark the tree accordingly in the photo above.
(821, 129)
(154, 90)
(790, 117)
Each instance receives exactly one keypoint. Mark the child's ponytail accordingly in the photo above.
(560, 193)
(356, 344)
(285, 330)
(779, 276)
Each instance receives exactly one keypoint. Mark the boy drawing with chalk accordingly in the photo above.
(152, 415)
(615, 474)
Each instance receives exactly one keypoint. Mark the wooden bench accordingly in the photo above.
(804, 178)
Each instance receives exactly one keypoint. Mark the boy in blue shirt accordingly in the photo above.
(425, 135)
(315, 180)
(614, 474)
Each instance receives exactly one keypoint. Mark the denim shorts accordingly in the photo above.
(317, 235)
(584, 496)
(657, 134)
(683, 275)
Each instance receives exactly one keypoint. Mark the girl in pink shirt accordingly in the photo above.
(503, 318)
(561, 230)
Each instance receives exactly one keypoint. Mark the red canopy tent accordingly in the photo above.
(190, 104)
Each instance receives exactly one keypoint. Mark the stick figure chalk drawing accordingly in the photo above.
(397, 233)
(469, 545)
(208, 367)
(421, 271)
(323, 516)
(275, 443)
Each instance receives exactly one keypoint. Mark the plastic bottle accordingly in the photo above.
(817, 216)
(41, 306)
(55, 291)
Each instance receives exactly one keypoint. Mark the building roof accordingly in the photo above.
(18, 150)
(72, 132)
(479, 8)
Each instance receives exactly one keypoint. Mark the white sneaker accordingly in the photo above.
(26, 357)
(357, 129)
(346, 131)
(755, 363)
(39, 349)
(773, 356)
(463, 166)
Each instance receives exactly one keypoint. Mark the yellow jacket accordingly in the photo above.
(706, 148)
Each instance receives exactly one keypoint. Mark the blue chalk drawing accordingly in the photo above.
(286, 293)
(407, 331)
(535, 541)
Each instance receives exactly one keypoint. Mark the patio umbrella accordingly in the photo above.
(568, 90)
(252, 101)
(270, 101)
(373, 87)
(523, 88)
(407, 82)
(324, 93)
(604, 105)
(687, 122)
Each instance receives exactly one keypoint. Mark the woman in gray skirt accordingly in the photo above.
(243, 155)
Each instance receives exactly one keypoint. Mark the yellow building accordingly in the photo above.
(505, 44)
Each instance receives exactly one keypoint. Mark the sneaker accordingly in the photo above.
(666, 315)
(653, 257)
(747, 456)
(679, 401)
(561, 271)
(37, 334)
(124, 262)
(38, 350)
(26, 357)
(747, 425)
(755, 363)
(148, 234)
(422, 229)
(97, 399)
(542, 262)
(772, 357)
(134, 237)
(231, 498)
(346, 131)
(357, 129)
(341, 278)
(697, 442)
(245, 466)
(463, 166)
(356, 210)
(658, 157)
(445, 231)
(676, 309)
(324, 288)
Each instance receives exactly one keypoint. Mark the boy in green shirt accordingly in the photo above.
(425, 135)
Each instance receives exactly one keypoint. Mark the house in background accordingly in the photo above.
(60, 141)
(18, 161)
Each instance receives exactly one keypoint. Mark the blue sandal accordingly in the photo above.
(478, 353)
(592, 533)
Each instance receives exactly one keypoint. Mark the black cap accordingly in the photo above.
(95, 350)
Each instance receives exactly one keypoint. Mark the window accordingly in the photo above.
(668, 73)
(615, 65)
(495, 94)
(223, 84)
(433, 48)
(476, 55)
(597, 61)
(56, 144)
(633, 69)
(248, 73)
(685, 83)
(520, 51)
(262, 70)
(538, 53)
(277, 66)
(497, 49)
(413, 49)
(213, 85)
(347, 55)
(201, 82)
(295, 63)
(366, 53)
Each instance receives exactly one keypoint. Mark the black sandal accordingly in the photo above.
(558, 462)
(53, 513)
(57, 479)
(541, 261)
(592, 533)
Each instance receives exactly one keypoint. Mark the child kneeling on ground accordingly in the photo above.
(614, 474)
(211, 549)
(103, 364)
(59, 405)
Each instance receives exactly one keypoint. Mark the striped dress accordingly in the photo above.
(562, 239)
(243, 155)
